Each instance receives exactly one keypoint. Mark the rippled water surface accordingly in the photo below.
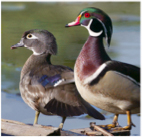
(18, 17)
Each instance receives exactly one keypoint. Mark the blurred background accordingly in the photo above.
(18, 17)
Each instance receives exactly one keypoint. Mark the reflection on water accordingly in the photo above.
(18, 17)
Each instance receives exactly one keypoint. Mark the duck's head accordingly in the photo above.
(97, 22)
(39, 41)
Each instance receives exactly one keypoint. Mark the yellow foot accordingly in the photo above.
(122, 128)
(125, 128)
(109, 126)
(128, 127)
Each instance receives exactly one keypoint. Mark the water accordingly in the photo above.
(17, 17)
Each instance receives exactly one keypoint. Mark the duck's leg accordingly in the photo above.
(62, 123)
(129, 122)
(114, 123)
(57, 131)
(36, 117)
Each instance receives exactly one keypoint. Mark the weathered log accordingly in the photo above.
(10, 127)
(104, 132)
(95, 130)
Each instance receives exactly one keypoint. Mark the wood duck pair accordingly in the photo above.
(47, 88)
(110, 85)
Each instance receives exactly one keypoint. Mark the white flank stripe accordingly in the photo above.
(94, 34)
(95, 75)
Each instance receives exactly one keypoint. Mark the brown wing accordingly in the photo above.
(63, 99)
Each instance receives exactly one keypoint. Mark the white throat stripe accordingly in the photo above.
(95, 34)
(96, 74)
(35, 53)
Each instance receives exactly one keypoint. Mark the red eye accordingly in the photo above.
(87, 15)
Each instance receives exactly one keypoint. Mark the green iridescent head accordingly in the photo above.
(97, 22)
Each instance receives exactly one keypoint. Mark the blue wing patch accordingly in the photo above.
(46, 80)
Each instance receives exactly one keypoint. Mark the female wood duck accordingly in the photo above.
(110, 85)
(47, 88)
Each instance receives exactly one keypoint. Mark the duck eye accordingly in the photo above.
(87, 15)
(29, 36)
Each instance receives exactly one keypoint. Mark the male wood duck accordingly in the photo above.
(110, 85)
(47, 88)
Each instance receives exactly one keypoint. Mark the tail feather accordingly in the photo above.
(92, 111)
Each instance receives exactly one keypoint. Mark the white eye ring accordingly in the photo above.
(31, 36)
